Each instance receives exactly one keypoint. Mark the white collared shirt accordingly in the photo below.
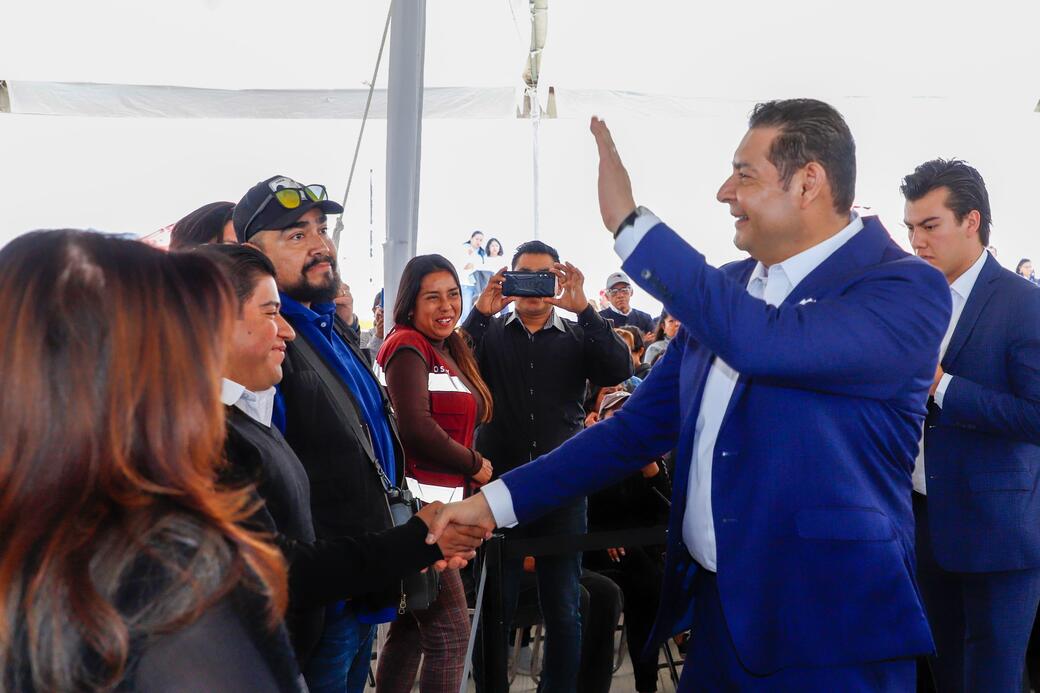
(960, 289)
(554, 321)
(773, 285)
(259, 406)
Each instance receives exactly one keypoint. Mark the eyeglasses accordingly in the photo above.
(289, 197)
(623, 291)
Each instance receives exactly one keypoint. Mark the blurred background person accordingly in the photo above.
(635, 343)
(470, 258)
(372, 340)
(667, 327)
(620, 311)
(132, 571)
(1025, 270)
(440, 397)
(209, 223)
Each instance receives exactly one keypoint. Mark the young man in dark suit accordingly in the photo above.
(975, 483)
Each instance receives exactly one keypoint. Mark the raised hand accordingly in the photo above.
(474, 511)
(491, 301)
(615, 189)
(345, 303)
(572, 288)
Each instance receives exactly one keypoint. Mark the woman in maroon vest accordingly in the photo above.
(439, 397)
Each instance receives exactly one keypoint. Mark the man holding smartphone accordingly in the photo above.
(536, 364)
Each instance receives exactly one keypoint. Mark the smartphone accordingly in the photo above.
(529, 284)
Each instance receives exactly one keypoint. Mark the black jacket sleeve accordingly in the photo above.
(325, 571)
(607, 359)
(476, 326)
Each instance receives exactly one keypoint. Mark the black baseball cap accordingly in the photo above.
(259, 210)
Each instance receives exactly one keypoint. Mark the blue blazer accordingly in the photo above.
(982, 449)
(811, 478)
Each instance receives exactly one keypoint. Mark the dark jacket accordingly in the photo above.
(320, 571)
(538, 382)
(982, 448)
(347, 496)
(635, 317)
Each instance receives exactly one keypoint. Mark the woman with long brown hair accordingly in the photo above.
(439, 396)
(122, 565)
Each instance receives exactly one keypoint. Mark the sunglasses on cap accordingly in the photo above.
(290, 195)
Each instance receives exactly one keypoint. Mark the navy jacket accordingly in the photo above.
(811, 479)
(982, 449)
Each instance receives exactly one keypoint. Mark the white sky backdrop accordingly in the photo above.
(915, 79)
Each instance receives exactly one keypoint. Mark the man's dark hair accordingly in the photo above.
(967, 190)
(536, 248)
(810, 130)
(244, 265)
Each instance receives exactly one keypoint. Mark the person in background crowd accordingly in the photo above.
(123, 565)
(345, 312)
(796, 393)
(536, 365)
(494, 258)
(978, 518)
(209, 223)
(620, 311)
(1025, 270)
(470, 259)
(320, 572)
(494, 249)
(372, 340)
(667, 326)
(439, 396)
(635, 343)
(330, 408)
(641, 500)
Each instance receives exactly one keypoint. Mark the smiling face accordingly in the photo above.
(304, 257)
(438, 305)
(937, 237)
(767, 216)
(258, 339)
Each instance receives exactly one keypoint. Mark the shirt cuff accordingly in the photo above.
(626, 242)
(501, 503)
(940, 389)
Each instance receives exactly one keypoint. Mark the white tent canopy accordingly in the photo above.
(675, 80)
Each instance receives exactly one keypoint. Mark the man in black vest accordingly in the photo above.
(320, 572)
(329, 406)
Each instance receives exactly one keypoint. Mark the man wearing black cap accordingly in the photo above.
(330, 407)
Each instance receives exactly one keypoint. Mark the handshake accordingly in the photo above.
(457, 529)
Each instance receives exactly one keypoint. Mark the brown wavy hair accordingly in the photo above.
(459, 343)
(111, 433)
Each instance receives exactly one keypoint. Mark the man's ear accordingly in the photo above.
(973, 220)
(813, 183)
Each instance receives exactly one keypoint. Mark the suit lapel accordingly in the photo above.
(862, 250)
(980, 295)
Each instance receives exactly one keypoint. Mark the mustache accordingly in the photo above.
(320, 259)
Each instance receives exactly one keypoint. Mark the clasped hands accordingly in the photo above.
(457, 529)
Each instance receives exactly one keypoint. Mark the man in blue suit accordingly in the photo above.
(794, 395)
(976, 501)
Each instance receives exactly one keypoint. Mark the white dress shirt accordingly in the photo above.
(259, 406)
(960, 289)
(773, 285)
